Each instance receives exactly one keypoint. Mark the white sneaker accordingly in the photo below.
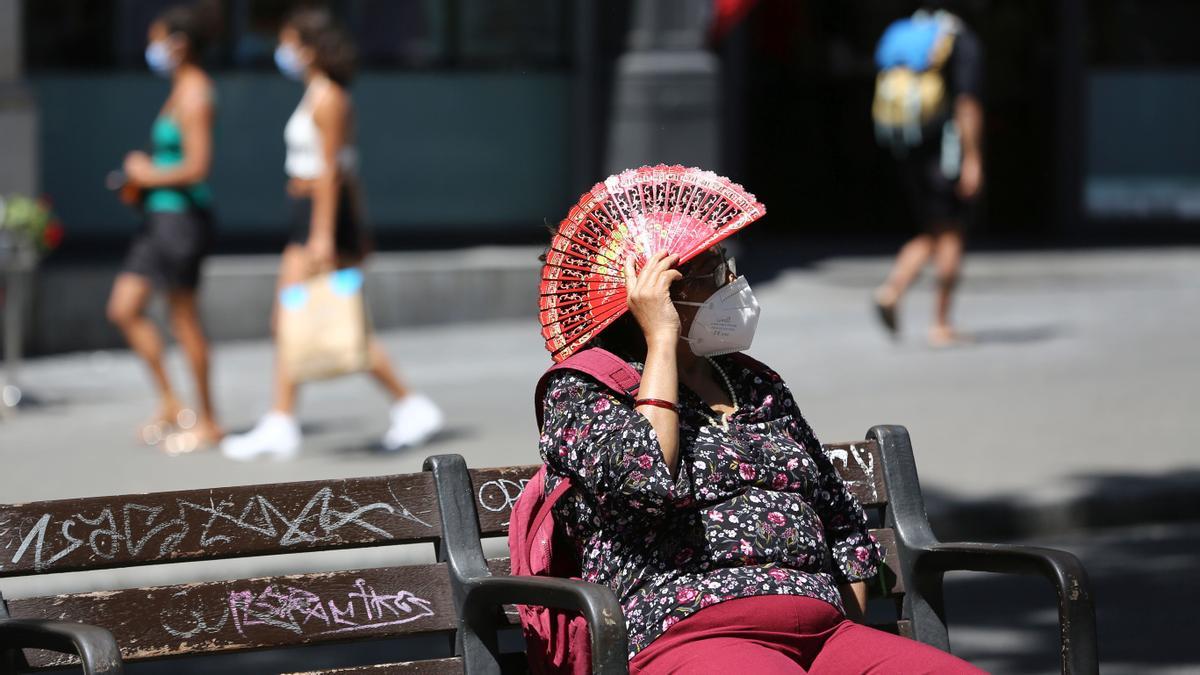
(415, 419)
(276, 435)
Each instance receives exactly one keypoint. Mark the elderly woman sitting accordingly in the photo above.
(707, 504)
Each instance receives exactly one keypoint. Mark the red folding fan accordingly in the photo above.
(637, 212)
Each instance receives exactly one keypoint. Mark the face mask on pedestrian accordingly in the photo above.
(287, 59)
(158, 57)
(725, 322)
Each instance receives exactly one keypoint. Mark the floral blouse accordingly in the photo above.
(757, 509)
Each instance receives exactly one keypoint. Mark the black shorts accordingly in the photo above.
(348, 233)
(170, 248)
(932, 197)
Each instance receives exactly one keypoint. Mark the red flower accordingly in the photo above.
(775, 517)
(780, 482)
(746, 471)
(53, 235)
(686, 594)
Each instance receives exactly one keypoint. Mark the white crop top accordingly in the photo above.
(305, 153)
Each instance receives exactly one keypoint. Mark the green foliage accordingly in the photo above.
(30, 222)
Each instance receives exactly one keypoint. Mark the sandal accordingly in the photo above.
(887, 316)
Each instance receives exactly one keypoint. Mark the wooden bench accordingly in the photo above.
(882, 474)
(104, 629)
(459, 597)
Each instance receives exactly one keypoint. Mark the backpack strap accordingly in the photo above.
(605, 367)
(545, 510)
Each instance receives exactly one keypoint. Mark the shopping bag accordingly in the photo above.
(323, 326)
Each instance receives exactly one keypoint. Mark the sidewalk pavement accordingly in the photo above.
(1076, 406)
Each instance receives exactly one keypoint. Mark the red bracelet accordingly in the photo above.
(657, 403)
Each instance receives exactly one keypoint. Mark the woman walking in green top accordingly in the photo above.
(167, 253)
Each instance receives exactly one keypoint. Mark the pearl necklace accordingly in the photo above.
(723, 422)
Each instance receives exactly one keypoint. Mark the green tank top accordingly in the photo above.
(167, 141)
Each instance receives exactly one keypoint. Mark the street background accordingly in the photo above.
(1070, 420)
(1073, 414)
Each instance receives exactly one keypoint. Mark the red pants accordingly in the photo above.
(786, 634)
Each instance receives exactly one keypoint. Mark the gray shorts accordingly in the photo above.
(170, 248)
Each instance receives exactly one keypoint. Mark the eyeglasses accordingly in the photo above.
(724, 272)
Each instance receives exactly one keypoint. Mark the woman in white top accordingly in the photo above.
(326, 232)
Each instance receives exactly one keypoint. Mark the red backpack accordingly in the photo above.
(557, 641)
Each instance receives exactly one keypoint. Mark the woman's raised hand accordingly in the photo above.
(649, 296)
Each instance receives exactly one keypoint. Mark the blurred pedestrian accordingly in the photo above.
(169, 185)
(927, 110)
(327, 231)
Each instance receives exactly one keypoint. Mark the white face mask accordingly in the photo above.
(725, 323)
(287, 59)
(158, 57)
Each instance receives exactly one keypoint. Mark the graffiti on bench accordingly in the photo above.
(499, 495)
(294, 609)
(127, 529)
(864, 465)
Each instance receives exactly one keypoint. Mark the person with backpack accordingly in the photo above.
(680, 473)
(927, 112)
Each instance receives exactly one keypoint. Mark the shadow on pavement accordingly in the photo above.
(1139, 540)
(373, 448)
(1085, 502)
(1015, 334)
(1145, 587)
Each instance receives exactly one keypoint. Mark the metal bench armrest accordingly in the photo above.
(1076, 611)
(597, 604)
(96, 648)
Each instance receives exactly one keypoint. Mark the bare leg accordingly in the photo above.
(909, 261)
(126, 309)
(414, 418)
(185, 323)
(293, 268)
(381, 370)
(948, 255)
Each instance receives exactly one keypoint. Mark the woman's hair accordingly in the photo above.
(622, 337)
(199, 22)
(335, 54)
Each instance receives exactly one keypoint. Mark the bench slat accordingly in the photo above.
(256, 613)
(432, 667)
(861, 466)
(496, 490)
(103, 532)
(892, 581)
